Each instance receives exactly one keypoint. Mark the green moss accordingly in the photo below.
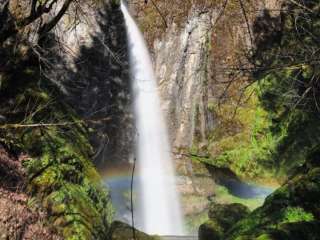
(295, 202)
(265, 237)
(296, 214)
(70, 189)
(210, 230)
(122, 231)
(243, 142)
(59, 169)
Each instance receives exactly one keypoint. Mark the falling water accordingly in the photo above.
(160, 211)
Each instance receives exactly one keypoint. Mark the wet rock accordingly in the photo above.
(122, 231)
(227, 214)
(210, 230)
(222, 218)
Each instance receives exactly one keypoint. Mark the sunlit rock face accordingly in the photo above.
(188, 59)
(182, 67)
(181, 63)
(190, 72)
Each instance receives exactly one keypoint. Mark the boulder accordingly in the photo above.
(222, 218)
(123, 231)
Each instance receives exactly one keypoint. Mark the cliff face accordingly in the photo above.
(211, 109)
(194, 58)
(182, 68)
(92, 71)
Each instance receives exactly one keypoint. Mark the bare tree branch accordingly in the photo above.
(160, 13)
(37, 125)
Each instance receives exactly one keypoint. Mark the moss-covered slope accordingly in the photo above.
(36, 121)
(58, 166)
(291, 212)
(294, 204)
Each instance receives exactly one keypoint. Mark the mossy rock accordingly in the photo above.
(210, 230)
(301, 230)
(222, 217)
(290, 212)
(122, 231)
(291, 231)
(55, 140)
(115, 3)
(61, 174)
(227, 214)
(70, 189)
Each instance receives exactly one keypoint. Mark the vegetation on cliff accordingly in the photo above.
(267, 115)
(284, 69)
(37, 122)
(291, 212)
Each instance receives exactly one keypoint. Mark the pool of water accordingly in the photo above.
(245, 190)
(120, 189)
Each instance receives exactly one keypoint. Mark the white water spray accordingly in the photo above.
(160, 204)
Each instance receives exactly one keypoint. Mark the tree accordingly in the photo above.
(11, 24)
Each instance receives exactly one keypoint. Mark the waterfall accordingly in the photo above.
(159, 200)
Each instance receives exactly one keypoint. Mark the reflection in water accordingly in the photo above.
(245, 190)
(119, 182)
(120, 195)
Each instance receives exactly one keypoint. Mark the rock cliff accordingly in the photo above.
(182, 68)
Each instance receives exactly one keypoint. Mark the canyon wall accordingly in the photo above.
(182, 67)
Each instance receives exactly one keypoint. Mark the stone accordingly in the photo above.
(123, 231)
(181, 66)
(227, 214)
(222, 218)
(210, 231)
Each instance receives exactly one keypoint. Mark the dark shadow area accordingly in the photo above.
(286, 60)
(98, 88)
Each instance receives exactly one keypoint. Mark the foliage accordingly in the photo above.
(292, 203)
(288, 89)
(248, 151)
(272, 133)
(242, 141)
(61, 174)
(288, 80)
(36, 121)
(296, 214)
